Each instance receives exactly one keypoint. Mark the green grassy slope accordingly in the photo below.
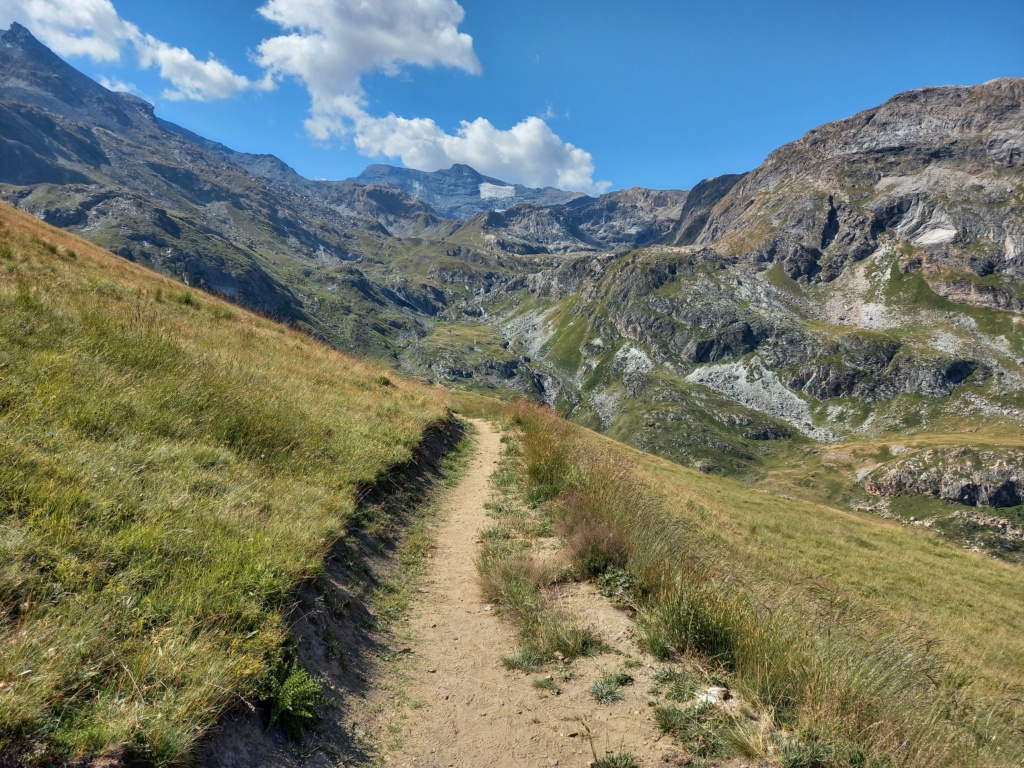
(170, 466)
(877, 643)
(968, 602)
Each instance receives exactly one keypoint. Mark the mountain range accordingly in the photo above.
(865, 280)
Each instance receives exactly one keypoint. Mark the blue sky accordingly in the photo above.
(586, 94)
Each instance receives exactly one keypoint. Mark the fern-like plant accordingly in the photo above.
(295, 696)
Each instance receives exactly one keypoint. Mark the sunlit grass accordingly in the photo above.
(861, 637)
(170, 467)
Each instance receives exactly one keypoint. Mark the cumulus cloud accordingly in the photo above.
(117, 86)
(94, 28)
(529, 152)
(192, 79)
(330, 44)
(72, 27)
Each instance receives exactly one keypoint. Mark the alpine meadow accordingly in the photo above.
(466, 460)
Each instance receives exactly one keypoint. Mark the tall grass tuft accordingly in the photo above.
(514, 581)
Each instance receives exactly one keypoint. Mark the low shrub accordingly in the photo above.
(294, 697)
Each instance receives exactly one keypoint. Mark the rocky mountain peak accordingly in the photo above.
(23, 56)
(942, 122)
(939, 167)
(461, 169)
(17, 34)
(31, 74)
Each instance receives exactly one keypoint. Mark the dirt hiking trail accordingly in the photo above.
(459, 706)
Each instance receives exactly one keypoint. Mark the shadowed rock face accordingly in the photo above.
(630, 218)
(700, 204)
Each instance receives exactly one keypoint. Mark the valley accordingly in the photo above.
(763, 437)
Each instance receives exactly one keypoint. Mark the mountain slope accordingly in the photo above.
(100, 163)
(172, 466)
(862, 282)
(626, 219)
(828, 318)
(940, 168)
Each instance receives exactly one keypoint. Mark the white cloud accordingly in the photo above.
(192, 79)
(72, 27)
(94, 28)
(117, 86)
(331, 44)
(529, 152)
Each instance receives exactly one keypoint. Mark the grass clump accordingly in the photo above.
(547, 684)
(165, 482)
(556, 635)
(699, 727)
(187, 299)
(608, 687)
(618, 760)
(526, 659)
(512, 580)
(676, 683)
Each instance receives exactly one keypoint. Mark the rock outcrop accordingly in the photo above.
(977, 478)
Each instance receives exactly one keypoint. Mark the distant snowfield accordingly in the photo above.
(490, 191)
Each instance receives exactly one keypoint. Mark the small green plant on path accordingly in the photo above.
(608, 687)
(295, 695)
(618, 760)
(547, 684)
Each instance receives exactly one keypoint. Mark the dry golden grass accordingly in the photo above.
(968, 601)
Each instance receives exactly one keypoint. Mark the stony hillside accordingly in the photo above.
(626, 219)
(939, 168)
(864, 278)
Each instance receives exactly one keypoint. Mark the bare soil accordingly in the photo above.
(433, 691)
(459, 706)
